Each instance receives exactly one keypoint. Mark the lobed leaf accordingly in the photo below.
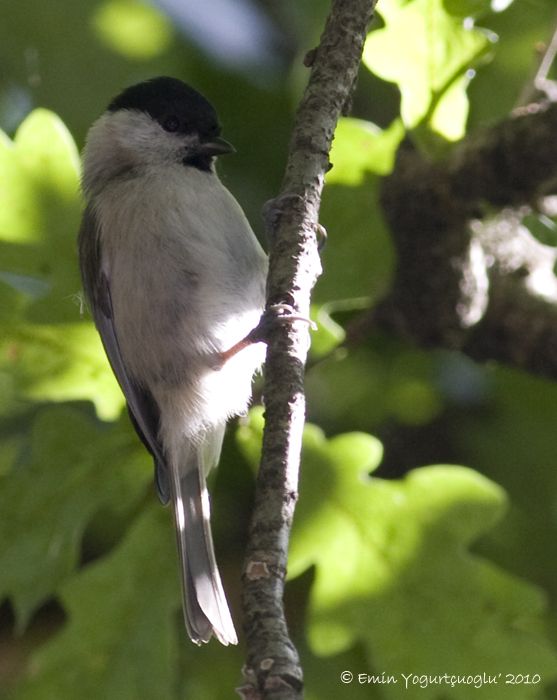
(393, 571)
(72, 472)
(48, 351)
(120, 641)
(428, 53)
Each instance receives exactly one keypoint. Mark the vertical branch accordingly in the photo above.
(273, 669)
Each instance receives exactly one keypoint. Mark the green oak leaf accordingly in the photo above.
(392, 571)
(58, 362)
(73, 471)
(48, 350)
(39, 217)
(427, 52)
(400, 380)
(327, 334)
(120, 641)
(361, 147)
(358, 258)
(520, 405)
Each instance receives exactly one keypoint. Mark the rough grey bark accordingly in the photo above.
(273, 669)
(465, 280)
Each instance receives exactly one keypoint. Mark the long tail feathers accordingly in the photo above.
(205, 608)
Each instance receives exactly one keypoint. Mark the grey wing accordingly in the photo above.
(143, 409)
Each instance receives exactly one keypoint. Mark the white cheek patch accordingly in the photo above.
(128, 139)
(144, 139)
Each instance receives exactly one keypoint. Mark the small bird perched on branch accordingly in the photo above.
(175, 280)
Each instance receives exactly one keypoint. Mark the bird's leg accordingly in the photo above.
(276, 313)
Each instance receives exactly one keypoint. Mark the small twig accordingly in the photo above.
(540, 82)
(273, 669)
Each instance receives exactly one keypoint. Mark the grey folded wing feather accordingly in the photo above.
(143, 410)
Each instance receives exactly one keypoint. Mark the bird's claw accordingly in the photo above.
(273, 314)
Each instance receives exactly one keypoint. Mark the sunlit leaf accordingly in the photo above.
(40, 216)
(135, 29)
(392, 570)
(328, 334)
(449, 117)
(58, 363)
(48, 349)
(400, 547)
(427, 52)
(360, 147)
(357, 256)
(47, 153)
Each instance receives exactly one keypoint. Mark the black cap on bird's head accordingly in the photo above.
(178, 108)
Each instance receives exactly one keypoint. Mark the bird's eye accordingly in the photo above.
(171, 124)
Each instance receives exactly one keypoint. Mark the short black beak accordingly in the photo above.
(216, 146)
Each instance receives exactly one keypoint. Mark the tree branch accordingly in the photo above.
(464, 281)
(273, 669)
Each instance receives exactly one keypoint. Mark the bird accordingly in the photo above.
(175, 280)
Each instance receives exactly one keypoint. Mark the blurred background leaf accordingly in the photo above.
(427, 52)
